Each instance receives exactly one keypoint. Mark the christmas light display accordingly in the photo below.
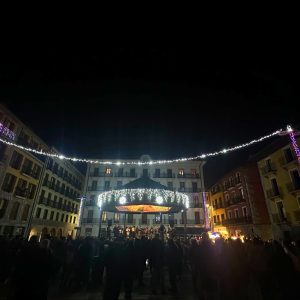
(294, 144)
(140, 163)
(155, 196)
(7, 132)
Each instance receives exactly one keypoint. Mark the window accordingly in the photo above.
(197, 217)
(96, 172)
(196, 201)
(120, 172)
(25, 212)
(275, 187)
(132, 172)
(51, 215)
(229, 215)
(244, 209)
(106, 185)
(130, 218)
(90, 214)
(193, 172)
(119, 184)
(3, 206)
(242, 193)
(222, 217)
(67, 218)
(57, 216)
(170, 185)
(236, 213)
(9, 183)
(298, 200)
(194, 187)
(182, 185)
(169, 173)
(218, 218)
(281, 211)
(145, 172)
(62, 217)
(295, 179)
(288, 154)
(31, 190)
(88, 231)
(74, 220)
(45, 215)
(108, 171)
(16, 160)
(181, 172)
(27, 167)
(157, 173)
(215, 219)
(14, 211)
(21, 188)
(38, 212)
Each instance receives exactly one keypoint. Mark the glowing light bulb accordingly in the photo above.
(61, 157)
(122, 200)
(159, 200)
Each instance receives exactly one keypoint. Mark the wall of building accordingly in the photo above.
(283, 202)
(100, 180)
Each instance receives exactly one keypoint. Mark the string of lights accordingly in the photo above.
(154, 162)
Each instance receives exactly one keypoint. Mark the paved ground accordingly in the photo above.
(184, 292)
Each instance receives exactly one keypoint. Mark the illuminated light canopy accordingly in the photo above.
(11, 135)
(111, 200)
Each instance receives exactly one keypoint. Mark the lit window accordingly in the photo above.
(193, 172)
(244, 208)
(108, 171)
(181, 172)
(229, 215)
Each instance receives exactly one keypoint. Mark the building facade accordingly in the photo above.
(246, 212)
(186, 177)
(58, 200)
(280, 177)
(22, 174)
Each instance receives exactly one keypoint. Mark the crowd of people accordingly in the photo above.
(216, 269)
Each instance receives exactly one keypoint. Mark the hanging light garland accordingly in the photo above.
(154, 162)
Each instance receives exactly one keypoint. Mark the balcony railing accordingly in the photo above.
(269, 169)
(126, 174)
(24, 193)
(293, 187)
(189, 190)
(99, 189)
(233, 201)
(274, 193)
(164, 175)
(188, 175)
(57, 205)
(243, 220)
(192, 222)
(101, 174)
(30, 172)
(217, 206)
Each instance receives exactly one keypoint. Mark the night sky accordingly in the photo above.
(168, 103)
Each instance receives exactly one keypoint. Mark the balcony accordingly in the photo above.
(218, 206)
(99, 189)
(189, 190)
(268, 169)
(126, 174)
(188, 175)
(234, 201)
(293, 188)
(192, 222)
(164, 175)
(24, 193)
(235, 221)
(101, 174)
(272, 194)
(217, 190)
(90, 203)
(49, 184)
(288, 162)
(26, 170)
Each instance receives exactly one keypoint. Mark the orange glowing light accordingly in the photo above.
(143, 208)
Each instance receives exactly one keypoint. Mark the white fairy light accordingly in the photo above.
(140, 163)
(122, 200)
(159, 200)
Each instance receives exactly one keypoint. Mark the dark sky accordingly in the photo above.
(168, 103)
